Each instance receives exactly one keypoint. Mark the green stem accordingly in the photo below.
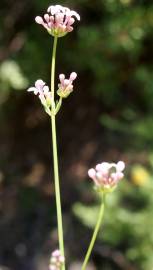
(53, 67)
(55, 157)
(58, 106)
(95, 233)
(57, 187)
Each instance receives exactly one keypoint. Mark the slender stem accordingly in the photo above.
(95, 233)
(57, 186)
(53, 67)
(55, 157)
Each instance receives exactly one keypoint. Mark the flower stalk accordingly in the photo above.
(53, 68)
(95, 233)
(58, 21)
(55, 157)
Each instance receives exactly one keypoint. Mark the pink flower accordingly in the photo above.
(58, 21)
(42, 90)
(65, 87)
(56, 260)
(107, 175)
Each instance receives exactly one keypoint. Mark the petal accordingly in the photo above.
(105, 166)
(46, 89)
(52, 267)
(73, 76)
(74, 13)
(92, 173)
(61, 258)
(49, 9)
(66, 82)
(59, 18)
(39, 84)
(56, 253)
(62, 78)
(98, 167)
(119, 175)
(70, 21)
(33, 89)
(39, 20)
(120, 166)
(69, 28)
(46, 17)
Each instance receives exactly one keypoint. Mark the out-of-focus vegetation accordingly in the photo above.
(128, 221)
(111, 50)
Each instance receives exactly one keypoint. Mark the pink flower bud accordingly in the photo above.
(47, 18)
(56, 253)
(71, 21)
(56, 260)
(39, 20)
(73, 76)
(39, 84)
(120, 166)
(62, 77)
(66, 82)
(92, 173)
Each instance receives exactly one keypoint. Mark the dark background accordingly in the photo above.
(107, 118)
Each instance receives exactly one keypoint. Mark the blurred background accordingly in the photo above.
(107, 118)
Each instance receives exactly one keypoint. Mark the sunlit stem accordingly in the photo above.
(55, 157)
(95, 233)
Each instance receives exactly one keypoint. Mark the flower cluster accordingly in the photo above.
(42, 90)
(58, 21)
(56, 260)
(65, 87)
(107, 175)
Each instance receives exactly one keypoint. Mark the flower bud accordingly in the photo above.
(56, 260)
(45, 96)
(65, 87)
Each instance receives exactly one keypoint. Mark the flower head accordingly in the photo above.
(58, 20)
(56, 260)
(65, 87)
(107, 175)
(42, 90)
